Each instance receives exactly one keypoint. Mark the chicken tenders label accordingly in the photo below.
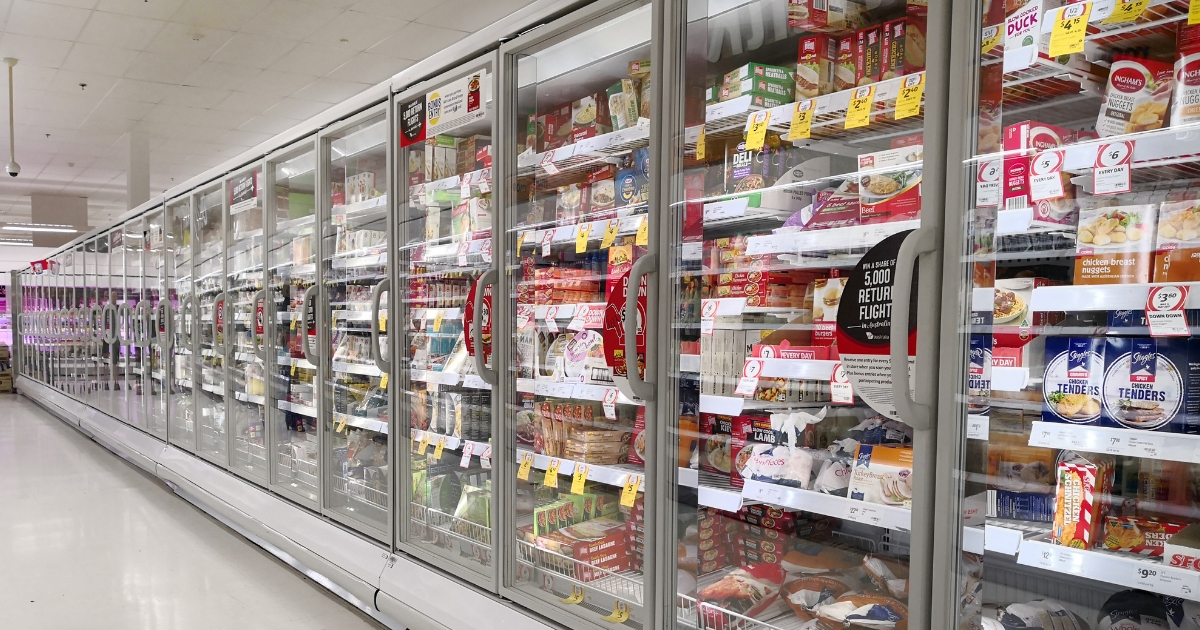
(1073, 379)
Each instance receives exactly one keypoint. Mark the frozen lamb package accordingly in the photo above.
(1137, 96)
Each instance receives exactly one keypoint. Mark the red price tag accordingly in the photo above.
(547, 239)
(1045, 178)
(1110, 175)
(610, 403)
(841, 392)
(1165, 311)
(750, 373)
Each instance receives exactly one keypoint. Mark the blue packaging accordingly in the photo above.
(1073, 379)
(627, 187)
(979, 375)
(1152, 384)
(1021, 506)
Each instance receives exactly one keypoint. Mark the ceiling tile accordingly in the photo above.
(179, 114)
(157, 130)
(330, 91)
(417, 41)
(277, 83)
(226, 14)
(33, 51)
(109, 123)
(290, 19)
(140, 91)
(257, 51)
(33, 77)
(243, 138)
(130, 110)
(162, 68)
(265, 124)
(185, 40)
(222, 76)
(122, 31)
(368, 68)
(191, 133)
(97, 59)
(252, 102)
(202, 98)
(355, 31)
(395, 10)
(222, 120)
(45, 20)
(97, 85)
(313, 59)
(296, 109)
(159, 9)
(469, 15)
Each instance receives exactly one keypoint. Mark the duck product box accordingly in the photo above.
(1071, 387)
(1152, 384)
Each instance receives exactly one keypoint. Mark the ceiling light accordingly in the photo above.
(16, 243)
(40, 227)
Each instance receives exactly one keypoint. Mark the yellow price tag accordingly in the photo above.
(575, 597)
(908, 103)
(293, 369)
(293, 325)
(1069, 29)
(643, 234)
(551, 480)
(756, 129)
(802, 115)
(383, 322)
(441, 446)
(620, 613)
(437, 320)
(424, 443)
(1126, 11)
(579, 478)
(630, 490)
(610, 233)
(526, 464)
(341, 426)
(520, 241)
(991, 39)
(383, 381)
(1194, 12)
(700, 145)
(858, 113)
(581, 237)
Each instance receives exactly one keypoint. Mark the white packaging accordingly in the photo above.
(1136, 97)
(891, 157)
(1186, 108)
(883, 475)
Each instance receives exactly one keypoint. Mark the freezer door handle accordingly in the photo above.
(141, 331)
(166, 337)
(123, 324)
(489, 375)
(108, 323)
(310, 294)
(918, 415)
(255, 337)
(638, 387)
(376, 354)
(219, 303)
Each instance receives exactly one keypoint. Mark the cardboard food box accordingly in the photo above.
(1143, 536)
(768, 101)
(715, 454)
(832, 208)
(1081, 499)
(845, 70)
(887, 197)
(1115, 245)
(1073, 381)
(814, 67)
(1152, 384)
(894, 35)
(1136, 97)
(868, 55)
(1177, 246)
(758, 87)
(1182, 550)
(896, 156)
(778, 75)
(882, 474)
(914, 41)
(469, 149)
(826, 16)
(590, 117)
(1021, 142)
(623, 104)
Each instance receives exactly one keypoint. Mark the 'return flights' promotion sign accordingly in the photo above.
(864, 323)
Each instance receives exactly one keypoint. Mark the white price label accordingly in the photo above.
(1114, 445)
(579, 319)
(465, 190)
(548, 163)
(610, 403)
(547, 238)
(465, 462)
(864, 513)
(1165, 580)
(1110, 175)
(551, 319)
(708, 316)
(841, 391)
(485, 184)
(765, 492)
(978, 426)
(485, 458)
(1145, 445)
(987, 184)
(749, 382)
(524, 314)
(1045, 179)
(1165, 311)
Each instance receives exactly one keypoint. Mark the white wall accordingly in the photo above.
(19, 257)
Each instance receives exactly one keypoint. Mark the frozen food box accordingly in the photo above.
(1074, 378)
(914, 42)
(1177, 247)
(979, 375)
(1182, 550)
(1011, 310)
(892, 196)
(831, 208)
(1115, 245)
(792, 190)
(767, 101)
(887, 158)
(1143, 536)
(1136, 97)
(1152, 384)
(778, 75)
(868, 55)
(590, 117)
(758, 87)
(814, 67)
(894, 36)
(1021, 142)
(1081, 499)
(623, 104)
(826, 16)
(882, 474)
(637, 454)
(1185, 109)
(844, 70)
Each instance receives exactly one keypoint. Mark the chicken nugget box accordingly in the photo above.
(1143, 536)
(1152, 384)
(1074, 377)
(1115, 244)
(1177, 246)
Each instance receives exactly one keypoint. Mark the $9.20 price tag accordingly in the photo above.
(1160, 579)
(750, 372)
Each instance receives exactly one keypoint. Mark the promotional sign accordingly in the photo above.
(864, 320)
(259, 318)
(243, 192)
(39, 266)
(452, 105)
(614, 328)
(1111, 174)
(1165, 311)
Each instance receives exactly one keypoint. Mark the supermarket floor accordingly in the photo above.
(89, 541)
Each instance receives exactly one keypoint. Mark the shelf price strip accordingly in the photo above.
(858, 112)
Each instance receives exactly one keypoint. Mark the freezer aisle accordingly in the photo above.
(78, 551)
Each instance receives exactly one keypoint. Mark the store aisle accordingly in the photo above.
(89, 541)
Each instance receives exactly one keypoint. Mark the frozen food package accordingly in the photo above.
(1071, 386)
(1152, 384)
(1137, 96)
(1081, 498)
(883, 474)
(827, 16)
(814, 68)
(1177, 248)
(1115, 244)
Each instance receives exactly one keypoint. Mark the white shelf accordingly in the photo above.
(213, 389)
(1093, 439)
(365, 260)
(356, 368)
(567, 234)
(808, 241)
(578, 391)
(352, 316)
(608, 475)
(1122, 569)
(300, 363)
(596, 147)
(711, 492)
(450, 183)
(432, 313)
(974, 539)
(1102, 297)
(303, 410)
(434, 376)
(250, 398)
(352, 210)
(370, 424)
(886, 516)
(444, 253)
(735, 405)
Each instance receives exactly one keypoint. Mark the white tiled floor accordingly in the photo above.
(89, 541)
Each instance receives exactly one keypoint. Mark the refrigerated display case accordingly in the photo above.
(1074, 222)
(445, 222)
(351, 327)
(177, 324)
(211, 328)
(246, 355)
(133, 401)
(294, 384)
(155, 342)
(576, 129)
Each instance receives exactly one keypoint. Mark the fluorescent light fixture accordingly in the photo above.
(40, 227)
(16, 243)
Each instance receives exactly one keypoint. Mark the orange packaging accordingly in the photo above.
(1116, 244)
(1081, 499)
(1177, 248)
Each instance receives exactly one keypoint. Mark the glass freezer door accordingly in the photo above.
(795, 203)
(134, 402)
(213, 329)
(176, 325)
(293, 384)
(246, 328)
(1075, 365)
(352, 326)
(445, 236)
(155, 368)
(576, 223)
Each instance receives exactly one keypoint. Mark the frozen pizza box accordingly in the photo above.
(1177, 247)
(1152, 384)
(1073, 380)
(1115, 245)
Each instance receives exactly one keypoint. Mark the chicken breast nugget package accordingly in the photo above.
(1152, 384)
(1073, 379)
